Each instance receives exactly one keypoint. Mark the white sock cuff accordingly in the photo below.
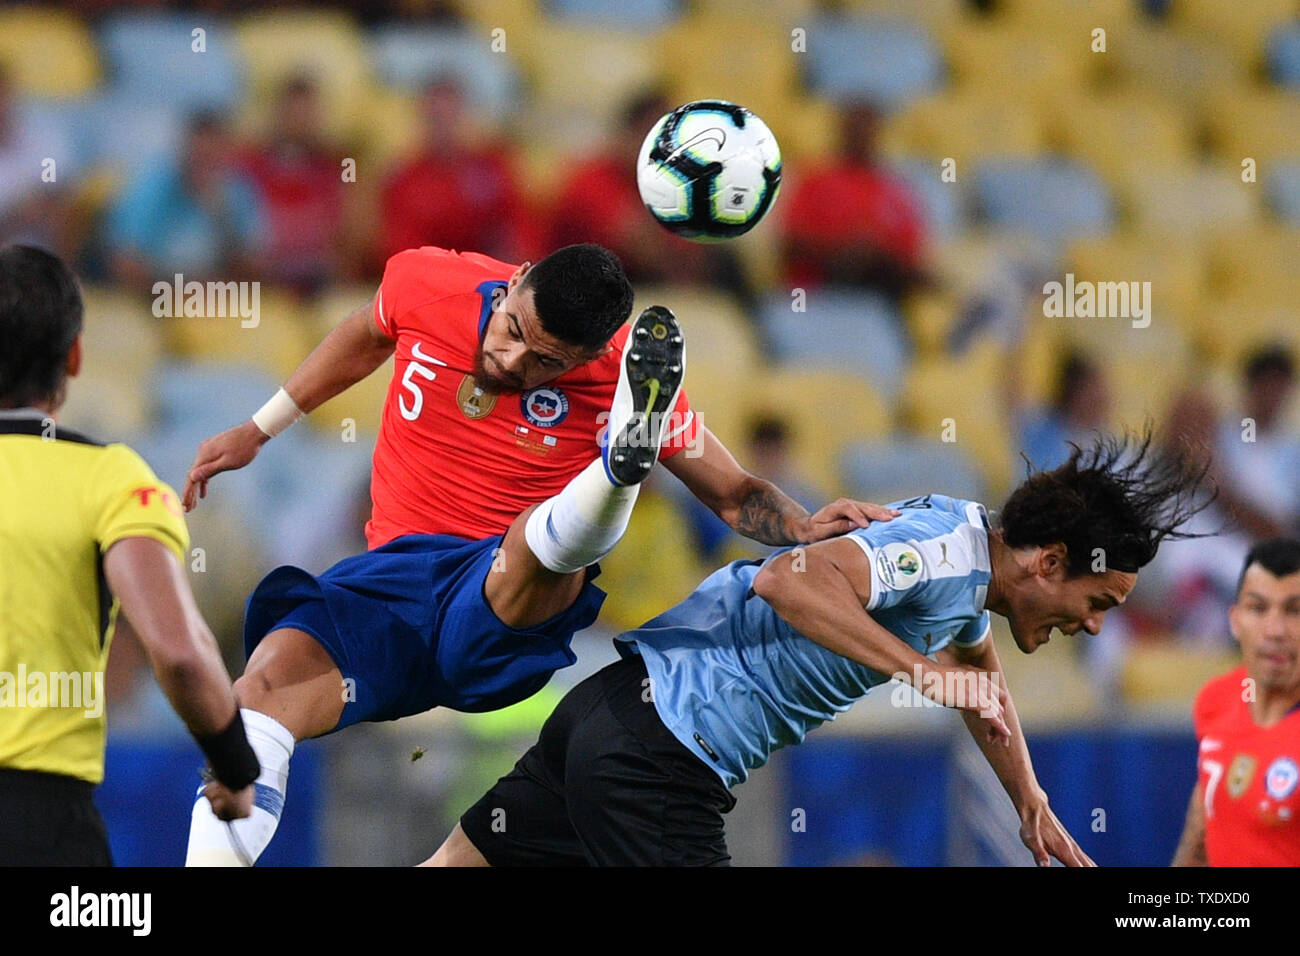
(258, 723)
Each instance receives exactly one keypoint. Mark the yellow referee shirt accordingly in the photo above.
(64, 500)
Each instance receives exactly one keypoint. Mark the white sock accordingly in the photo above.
(211, 843)
(581, 524)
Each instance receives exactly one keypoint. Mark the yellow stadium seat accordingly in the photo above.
(1228, 329)
(994, 62)
(1242, 27)
(1187, 69)
(966, 125)
(937, 15)
(279, 340)
(966, 393)
(1253, 122)
(48, 52)
(517, 18)
(1177, 271)
(652, 568)
(1255, 261)
(1121, 133)
(1064, 21)
(328, 45)
(361, 405)
(1164, 673)
(106, 405)
(121, 333)
(1188, 200)
(390, 131)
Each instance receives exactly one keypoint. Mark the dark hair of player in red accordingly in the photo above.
(581, 294)
(1122, 495)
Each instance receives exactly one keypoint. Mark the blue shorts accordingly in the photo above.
(410, 629)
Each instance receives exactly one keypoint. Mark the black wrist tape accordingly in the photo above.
(230, 756)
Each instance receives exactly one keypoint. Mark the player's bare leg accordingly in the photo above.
(291, 690)
(540, 571)
(456, 850)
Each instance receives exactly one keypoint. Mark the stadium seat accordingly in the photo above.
(325, 44)
(1284, 55)
(1121, 133)
(120, 333)
(944, 203)
(995, 62)
(106, 405)
(616, 14)
(1161, 673)
(886, 61)
(152, 60)
(1159, 61)
(409, 57)
(1176, 271)
(1188, 200)
(898, 468)
(857, 332)
(1256, 122)
(1241, 27)
(1258, 260)
(937, 15)
(280, 340)
(1050, 198)
(123, 137)
(967, 126)
(1067, 21)
(827, 410)
(1229, 329)
(1283, 185)
(963, 396)
(34, 38)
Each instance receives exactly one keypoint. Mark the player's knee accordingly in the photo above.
(456, 850)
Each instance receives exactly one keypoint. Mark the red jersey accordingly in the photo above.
(451, 459)
(1249, 777)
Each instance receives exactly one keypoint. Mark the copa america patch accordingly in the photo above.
(1281, 779)
(898, 565)
(544, 407)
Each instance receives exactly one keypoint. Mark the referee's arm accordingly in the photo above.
(159, 607)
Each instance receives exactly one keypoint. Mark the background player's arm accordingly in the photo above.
(159, 609)
(1040, 830)
(755, 507)
(823, 591)
(353, 350)
(1191, 846)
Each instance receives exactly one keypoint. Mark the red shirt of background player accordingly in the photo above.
(453, 460)
(1250, 778)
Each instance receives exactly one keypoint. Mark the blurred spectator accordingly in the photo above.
(195, 215)
(600, 202)
(1079, 409)
(300, 178)
(849, 221)
(1258, 467)
(33, 210)
(458, 193)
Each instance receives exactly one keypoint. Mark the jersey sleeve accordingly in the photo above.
(898, 573)
(683, 427)
(975, 631)
(412, 278)
(131, 502)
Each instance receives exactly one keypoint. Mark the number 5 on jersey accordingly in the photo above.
(414, 368)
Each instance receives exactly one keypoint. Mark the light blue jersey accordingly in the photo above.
(734, 682)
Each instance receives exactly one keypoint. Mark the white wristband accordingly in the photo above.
(277, 414)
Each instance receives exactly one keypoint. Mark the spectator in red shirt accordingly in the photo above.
(457, 193)
(600, 203)
(851, 222)
(299, 175)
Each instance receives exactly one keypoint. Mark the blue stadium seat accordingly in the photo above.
(408, 58)
(151, 59)
(620, 14)
(124, 132)
(944, 204)
(1283, 185)
(885, 61)
(858, 332)
(905, 466)
(1284, 55)
(1054, 199)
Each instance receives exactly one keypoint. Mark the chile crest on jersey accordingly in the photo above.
(544, 407)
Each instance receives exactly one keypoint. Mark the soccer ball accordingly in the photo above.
(709, 170)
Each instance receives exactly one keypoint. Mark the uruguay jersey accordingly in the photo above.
(734, 682)
(451, 459)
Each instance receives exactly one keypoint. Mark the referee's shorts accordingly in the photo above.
(48, 819)
(607, 784)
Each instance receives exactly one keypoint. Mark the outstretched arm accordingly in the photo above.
(755, 507)
(1040, 830)
(1191, 846)
(354, 349)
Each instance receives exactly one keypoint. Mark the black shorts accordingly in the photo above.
(606, 784)
(47, 819)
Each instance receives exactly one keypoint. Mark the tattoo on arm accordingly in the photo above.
(770, 516)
